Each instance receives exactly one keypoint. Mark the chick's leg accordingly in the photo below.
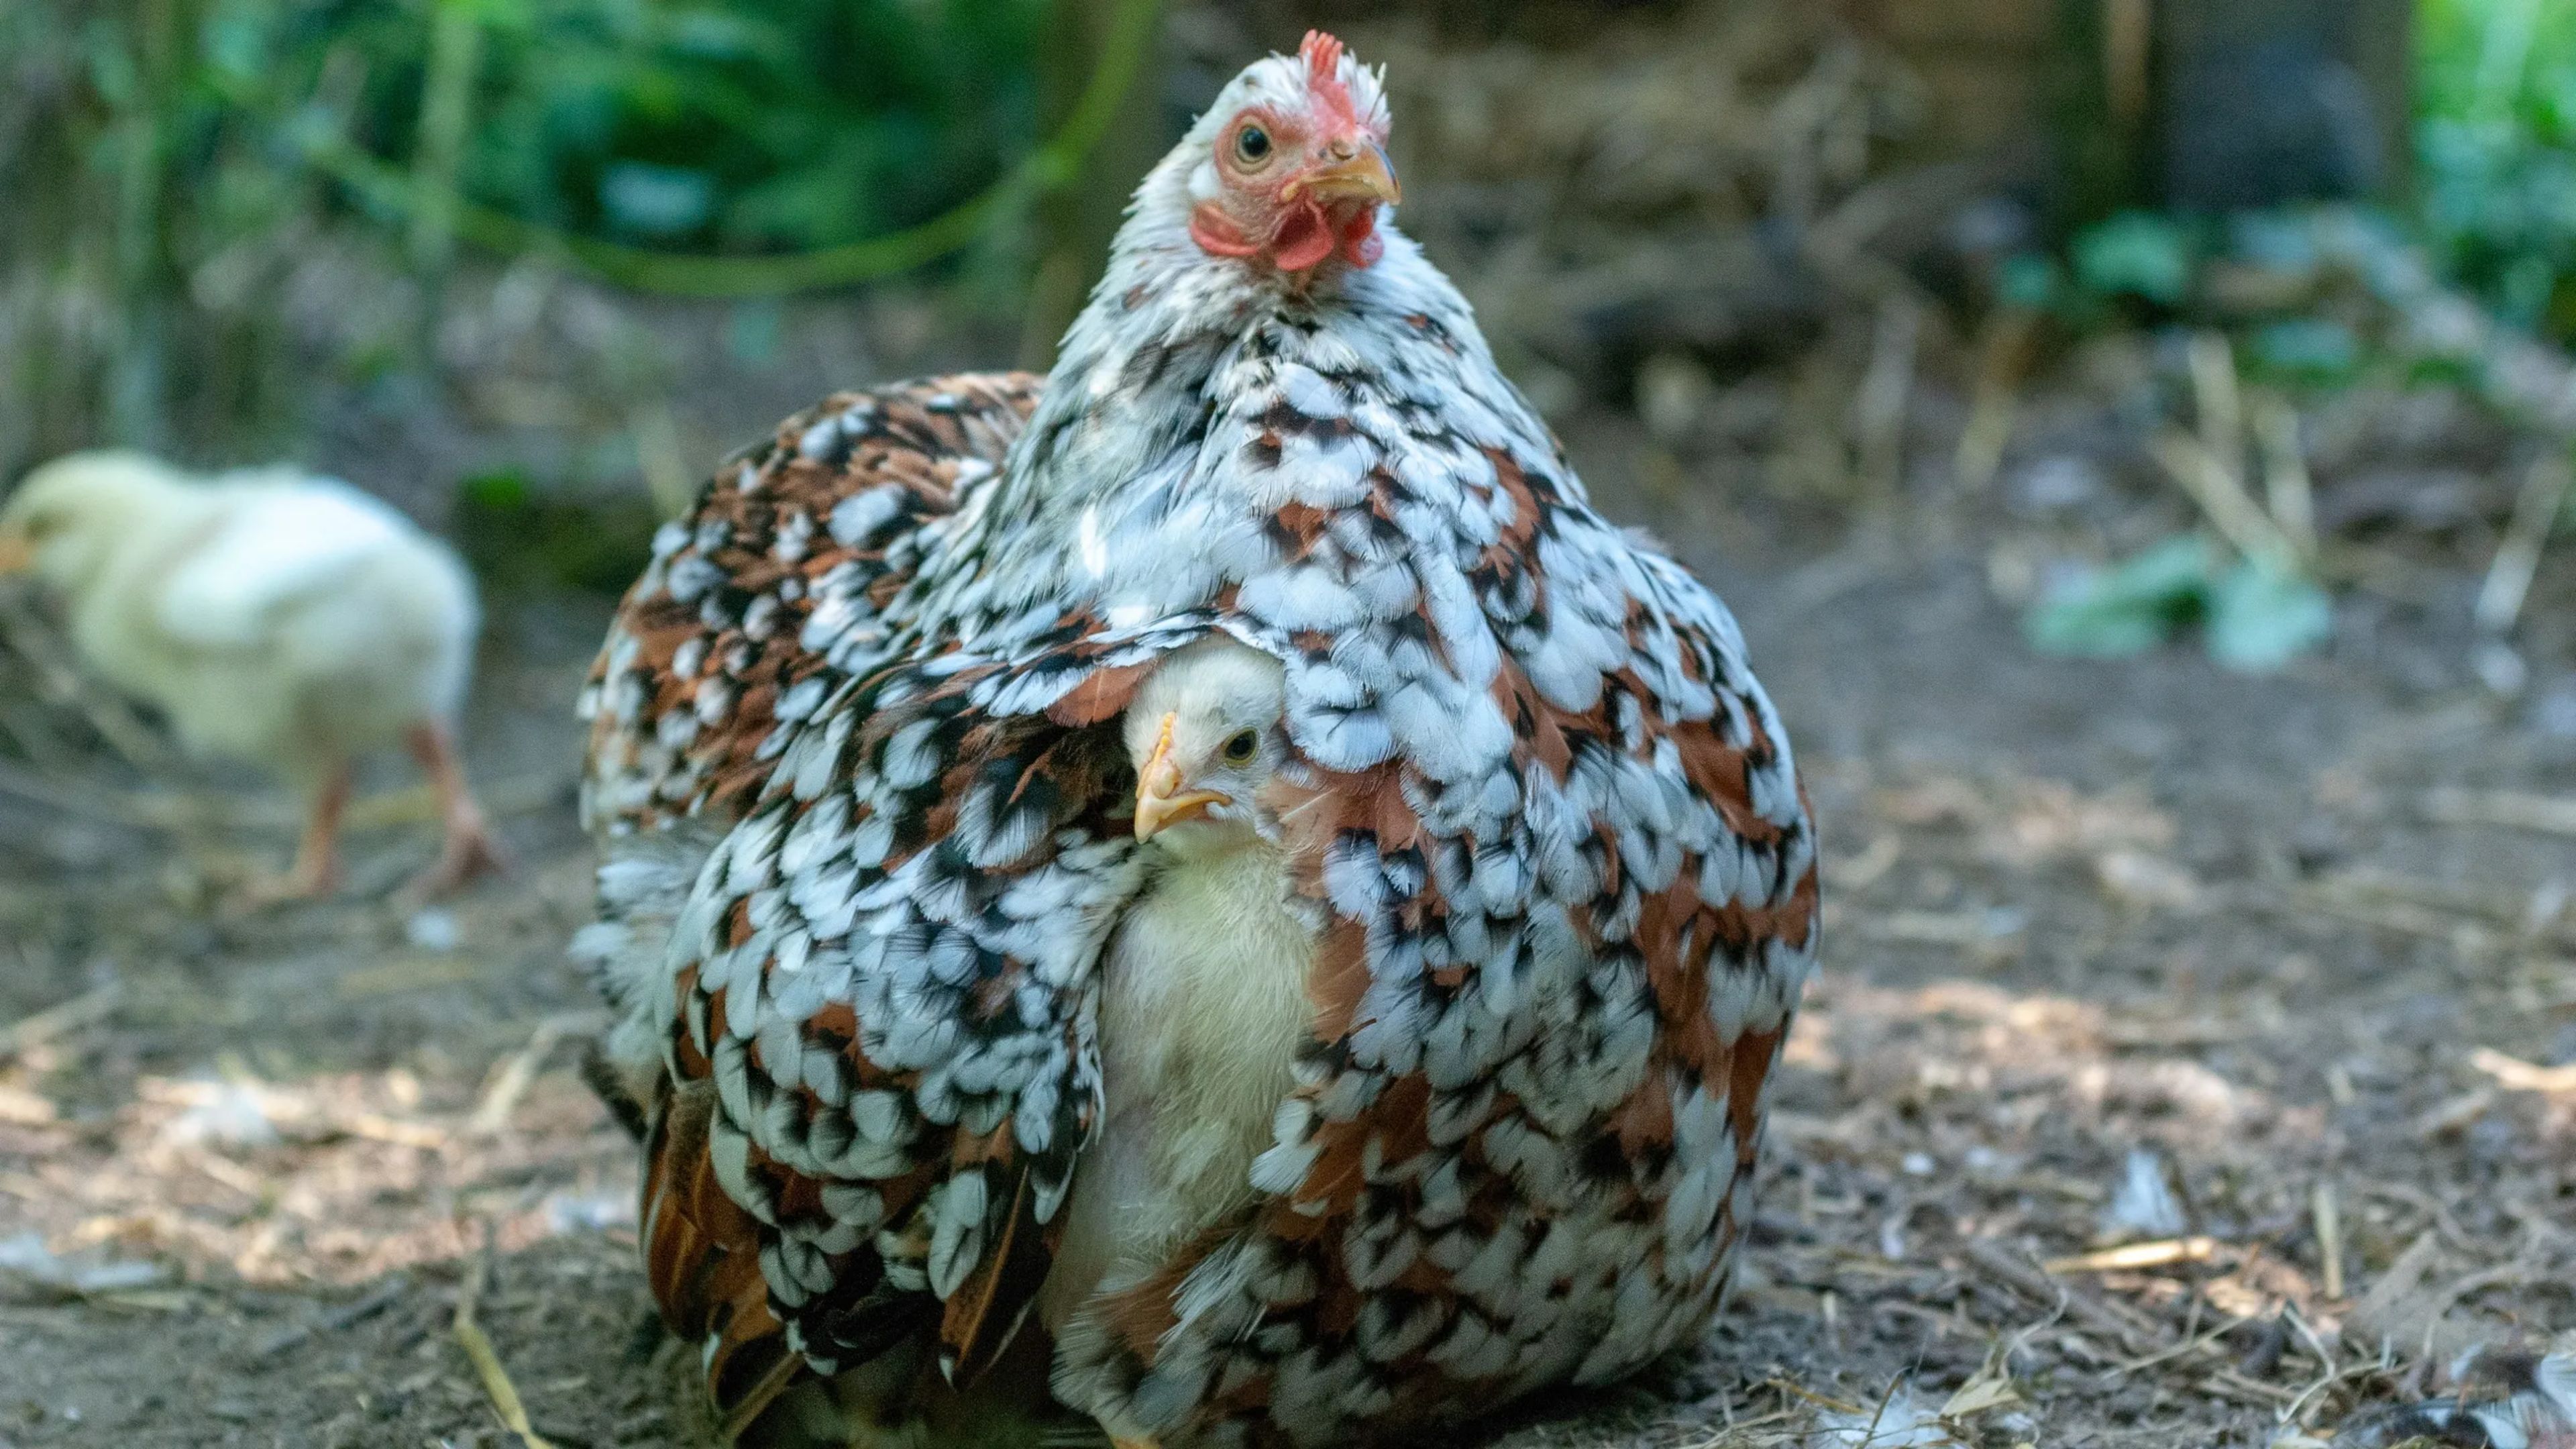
(469, 849)
(316, 871)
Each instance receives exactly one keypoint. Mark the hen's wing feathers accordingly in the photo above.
(882, 986)
(774, 590)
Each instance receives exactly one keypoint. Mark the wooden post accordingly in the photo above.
(2217, 105)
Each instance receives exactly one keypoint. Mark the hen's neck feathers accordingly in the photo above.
(1156, 381)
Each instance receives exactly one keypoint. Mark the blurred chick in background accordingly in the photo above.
(275, 618)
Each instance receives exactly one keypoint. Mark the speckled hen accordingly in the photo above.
(862, 761)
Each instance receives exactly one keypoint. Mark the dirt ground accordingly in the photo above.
(2143, 950)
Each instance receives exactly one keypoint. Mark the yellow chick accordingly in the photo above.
(1203, 993)
(274, 618)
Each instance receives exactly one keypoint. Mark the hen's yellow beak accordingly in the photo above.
(1363, 175)
(17, 555)
(1160, 800)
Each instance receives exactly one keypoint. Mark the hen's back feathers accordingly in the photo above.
(773, 590)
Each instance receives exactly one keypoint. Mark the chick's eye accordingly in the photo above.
(1238, 750)
(1252, 145)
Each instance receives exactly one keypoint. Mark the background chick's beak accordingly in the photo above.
(17, 555)
(1160, 800)
(1364, 175)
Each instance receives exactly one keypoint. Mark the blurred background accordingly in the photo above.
(2135, 434)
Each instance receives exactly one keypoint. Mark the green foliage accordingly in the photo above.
(2313, 350)
(718, 124)
(2263, 614)
(2136, 266)
(2496, 135)
(2128, 609)
(2256, 615)
(2137, 254)
(166, 214)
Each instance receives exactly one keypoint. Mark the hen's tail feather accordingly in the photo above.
(702, 1257)
(2500, 1399)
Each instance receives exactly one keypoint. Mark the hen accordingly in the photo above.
(905, 1008)
(274, 618)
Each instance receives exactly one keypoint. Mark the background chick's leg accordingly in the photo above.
(469, 850)
(316, 871)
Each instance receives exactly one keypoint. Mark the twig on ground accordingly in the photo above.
(2189, 1345)
(1811, 1396)
(2134, 1334)
(2517, 1075)
(1886, 394)
(2157, 1254)
(2221, 497)
(111, 717)
(516, 1075)
(2328, 1215)
(87, 1009)
(487, 1364)
(2003, 355)
(2216, 398)
(2517, 559)
(344, 1316)
(2228, 1381)
(2287, 489)
(2503, 809)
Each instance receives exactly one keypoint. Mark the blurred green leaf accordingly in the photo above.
(2262, 615)
(656, 201)
(2308, 349)
(2256, 615)
(501, 488)
(2128, 609)
(2028, 279)
(2136, 254)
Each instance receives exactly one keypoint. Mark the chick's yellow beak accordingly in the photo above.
(1364, 174)
(1160, 800)
(17, 555)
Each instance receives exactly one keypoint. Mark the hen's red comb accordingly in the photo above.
(1323, 55)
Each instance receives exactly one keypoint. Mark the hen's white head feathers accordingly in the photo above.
(1285, 170)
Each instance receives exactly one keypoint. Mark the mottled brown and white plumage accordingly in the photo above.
(874, 898)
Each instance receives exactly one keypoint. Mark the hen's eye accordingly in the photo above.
(1252, 145)
(1238, 750)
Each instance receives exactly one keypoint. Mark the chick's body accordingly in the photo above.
(282, 622)
(274, 618)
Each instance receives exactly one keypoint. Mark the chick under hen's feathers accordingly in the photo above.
(1203, 1005)
(1547, 820)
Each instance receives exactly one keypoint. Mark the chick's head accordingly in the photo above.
(1206, 734)
(63, 522)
